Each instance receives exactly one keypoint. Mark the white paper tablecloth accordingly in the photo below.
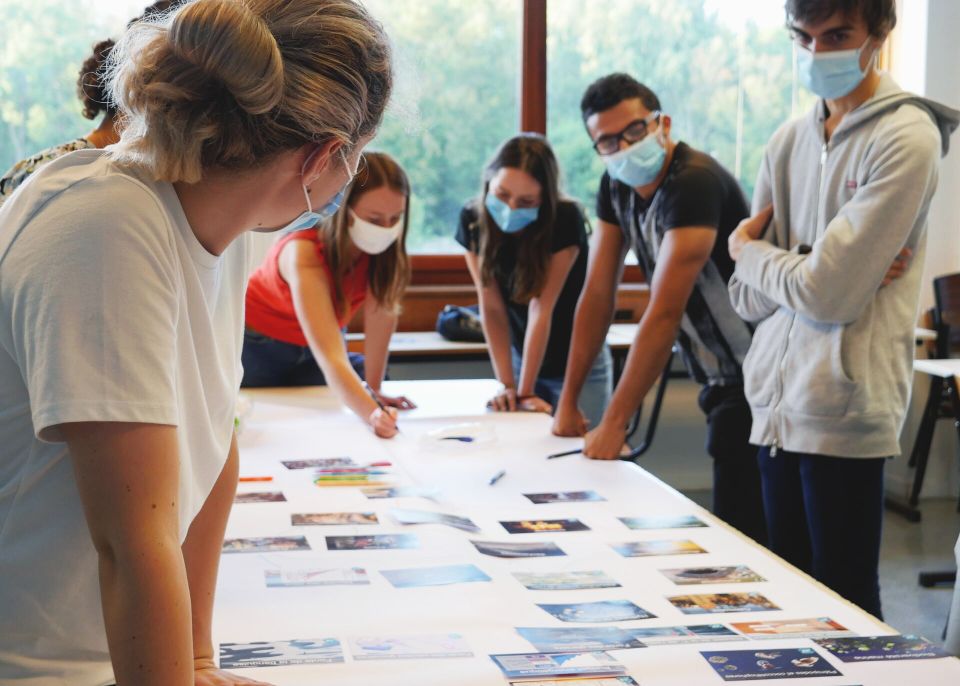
(306, 423)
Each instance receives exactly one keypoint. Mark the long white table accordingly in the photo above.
(308, 423)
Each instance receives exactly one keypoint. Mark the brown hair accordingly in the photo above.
(389, 272)
(530, 153)
(231, 83)
(879, 15)
(91, 85)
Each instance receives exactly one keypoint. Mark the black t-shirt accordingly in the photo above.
(569, 229)
(696, 191)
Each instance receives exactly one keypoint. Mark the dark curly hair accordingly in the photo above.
(880, 16)
(91, 88)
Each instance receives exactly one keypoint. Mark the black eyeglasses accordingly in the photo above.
(635, 132)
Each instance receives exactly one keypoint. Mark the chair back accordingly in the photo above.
(946, 314)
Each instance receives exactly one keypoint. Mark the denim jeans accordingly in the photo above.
(595, 393)
(269, 362)
(825, 515)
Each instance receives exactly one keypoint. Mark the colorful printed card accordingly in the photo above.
(565, 581)
(375, 542)
(427, 517)
(721, 602)
(334, 519)
(279, 653)
(877, 648)
(260, 497)
(585, 681)
(282, 578)
(564, 497)
(649, 548)
(712, 575)
(697, 633)
(497, 549)
(598, 611)
(663, 522)
(270, 544)
(786, 663)
(817, 627)
(544, 526)
(409, 647)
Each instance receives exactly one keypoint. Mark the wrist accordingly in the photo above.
(617, 415)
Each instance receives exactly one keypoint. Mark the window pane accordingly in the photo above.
(723, 70)
(455, 101)
(45, 42)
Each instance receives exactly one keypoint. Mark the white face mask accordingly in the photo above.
(373, 239)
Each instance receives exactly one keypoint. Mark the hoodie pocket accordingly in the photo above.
(760, 363)
(815, 380)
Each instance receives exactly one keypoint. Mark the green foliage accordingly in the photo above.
(457, 92)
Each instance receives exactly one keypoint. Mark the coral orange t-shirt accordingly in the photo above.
(269, 305)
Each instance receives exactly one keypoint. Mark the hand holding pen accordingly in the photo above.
(382, 420)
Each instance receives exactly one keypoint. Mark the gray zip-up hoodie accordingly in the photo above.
(830, 367)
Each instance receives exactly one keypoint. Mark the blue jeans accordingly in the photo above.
(824, 515)
(596, 390)
(269, 362)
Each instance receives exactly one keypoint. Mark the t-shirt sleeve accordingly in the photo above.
(90, 285)
(605, 211)
(467, 228)
(570, 228)
(695, 198)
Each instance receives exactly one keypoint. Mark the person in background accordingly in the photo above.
(675, 206)
(92, 91)
(122, 279)
(823, 270)
(312, 283)
(527, 254)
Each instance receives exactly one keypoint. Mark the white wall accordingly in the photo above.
(926, 55)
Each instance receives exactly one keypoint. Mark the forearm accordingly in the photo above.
(539, 321)
(749, 303)
(146, 610)
(201, 553)
(343, 380)
(496, 330)
(590, 325)
(645, 363)
(376, 347)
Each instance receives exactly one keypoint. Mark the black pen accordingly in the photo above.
(496, 477)
(383, 408)
(566, 454)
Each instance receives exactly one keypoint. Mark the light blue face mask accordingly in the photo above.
(831, 75)
(509, 220)
(309, 219)
(639, 164)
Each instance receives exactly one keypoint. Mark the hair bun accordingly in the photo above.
(229, 43)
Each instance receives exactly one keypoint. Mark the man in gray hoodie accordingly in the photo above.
(842, 194)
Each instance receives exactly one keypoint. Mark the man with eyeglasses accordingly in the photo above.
(842, 193)
(675, 206)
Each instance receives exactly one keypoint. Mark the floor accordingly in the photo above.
(907, 550)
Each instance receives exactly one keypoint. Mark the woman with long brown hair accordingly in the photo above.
(312, 283)
(527, 253)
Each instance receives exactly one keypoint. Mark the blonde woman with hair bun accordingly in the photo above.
(122, 278)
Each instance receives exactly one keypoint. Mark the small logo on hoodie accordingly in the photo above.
(852, 184)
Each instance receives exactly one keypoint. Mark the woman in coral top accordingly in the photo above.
(314, 281)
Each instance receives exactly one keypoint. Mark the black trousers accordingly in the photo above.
(825, 516)
(737, 494)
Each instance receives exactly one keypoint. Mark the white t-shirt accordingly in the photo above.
(110, 310)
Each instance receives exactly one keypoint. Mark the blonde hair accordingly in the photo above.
(231, 83)
(389, 272)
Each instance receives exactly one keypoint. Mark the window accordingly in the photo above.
(44, 44)
(456, 100)
(721, 68)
